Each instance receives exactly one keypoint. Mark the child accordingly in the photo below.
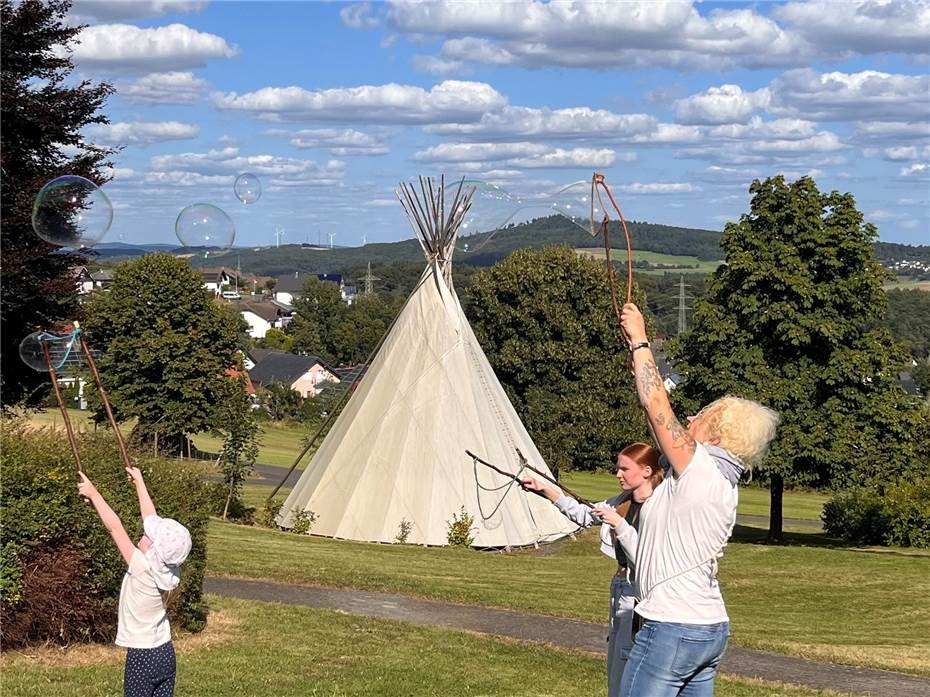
(154, 571)
(638, 473)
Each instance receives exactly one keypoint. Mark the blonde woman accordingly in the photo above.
(638, 473)
(684, 528)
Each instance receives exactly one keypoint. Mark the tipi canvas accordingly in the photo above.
(397, 451)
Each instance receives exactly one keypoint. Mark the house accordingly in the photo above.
(103, 279)
(908, 383)
(289, 287)
(83, 279)
(262, 316)
(236, 373)
(218, 279)
(670, 378)
(307, 375)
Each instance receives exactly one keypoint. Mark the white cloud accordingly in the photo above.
(476, 152)
(570, 158)
(658, 188)
(338, 141)
(119, 10)
(164, 88)
(917, 168)
(129, 49)
(718, 105)
(906, 152)
(450, 100)
(840, 96)
(600, 35)
(439, 66)
(866, 26)
(358, 16)
(226, 163)
(141, 133)
(669, 133)
(576, 122)
(877, 131)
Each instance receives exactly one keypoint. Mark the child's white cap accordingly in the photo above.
(171, 543)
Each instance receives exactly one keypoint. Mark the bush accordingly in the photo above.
(61, 571)
(403, 531)
(896, 513)
(302, 521)
(267, 517)
(460, 529)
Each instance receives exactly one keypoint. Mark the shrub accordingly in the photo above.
(267, 517)
(61, 571)
(302, 521)
(403, 531)
(894, 513)
(460, 529)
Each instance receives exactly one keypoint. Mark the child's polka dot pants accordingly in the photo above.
(150, 672)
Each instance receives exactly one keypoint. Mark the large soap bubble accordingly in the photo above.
(248, 188)
(71, 211)
(577, 203)
(491, 209)
(202, 225)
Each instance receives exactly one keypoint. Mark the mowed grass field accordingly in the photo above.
(674, 262)
(907, 283)
(266, 650)
(859, 607)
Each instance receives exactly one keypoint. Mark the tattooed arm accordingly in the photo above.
(672, 438)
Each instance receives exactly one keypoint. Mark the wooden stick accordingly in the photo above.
(528, 466)
(61, 405)
(103, 398)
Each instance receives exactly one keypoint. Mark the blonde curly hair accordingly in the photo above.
(744, 428)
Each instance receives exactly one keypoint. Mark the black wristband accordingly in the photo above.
(639, 345)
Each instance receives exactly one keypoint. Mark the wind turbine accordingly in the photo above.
(278, 234)
(331, 236)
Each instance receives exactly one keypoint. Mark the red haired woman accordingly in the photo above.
(638, 474)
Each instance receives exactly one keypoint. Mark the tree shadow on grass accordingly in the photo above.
(746, 534)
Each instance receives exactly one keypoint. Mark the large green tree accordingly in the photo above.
(546, 324)
(236, 424)
(42, 114)
(165, 345)
(789, 321)
(319, 310)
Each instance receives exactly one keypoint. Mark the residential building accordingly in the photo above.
(307, 375)
(262, 316)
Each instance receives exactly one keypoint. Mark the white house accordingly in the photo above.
(262, 316)
(219, 279)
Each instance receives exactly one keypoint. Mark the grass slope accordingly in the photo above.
(819, 602)
(268, 649)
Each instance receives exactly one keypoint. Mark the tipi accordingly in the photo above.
(397, 451)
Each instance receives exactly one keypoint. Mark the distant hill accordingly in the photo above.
(274, 261)
(891, 251)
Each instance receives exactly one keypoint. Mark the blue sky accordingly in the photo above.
(681, 105)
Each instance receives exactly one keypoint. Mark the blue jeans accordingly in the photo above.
(674, 660)
(620, 632)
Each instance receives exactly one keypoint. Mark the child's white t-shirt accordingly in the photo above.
(143, 620)
(684, 527)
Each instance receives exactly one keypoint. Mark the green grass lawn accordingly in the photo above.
(267, 649)
(279, 446)
(848, 606)
(689, 264)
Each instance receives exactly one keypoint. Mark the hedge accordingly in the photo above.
(61, 572)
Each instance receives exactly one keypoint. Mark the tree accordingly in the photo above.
(237, 426)
(277, 339)
(545, 322)
(362, 326)
(163, 352)
(281, 402)
(319, 310)
(788, 321)
(42, 119)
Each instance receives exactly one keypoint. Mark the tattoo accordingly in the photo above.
(660, 419)
(681, 439)
(649, 379)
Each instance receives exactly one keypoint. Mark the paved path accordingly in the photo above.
(563, 633)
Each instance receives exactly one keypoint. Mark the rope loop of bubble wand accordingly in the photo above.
(598, 183)
(526, 465)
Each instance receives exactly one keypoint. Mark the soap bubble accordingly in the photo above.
(60, 350)
(575, 203)
(248, 188)
(492, 207)
(71, 211)
(202, 225)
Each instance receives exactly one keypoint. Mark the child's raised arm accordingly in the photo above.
(146, 507)
(108, 517)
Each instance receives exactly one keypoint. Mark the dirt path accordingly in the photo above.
(563, 633)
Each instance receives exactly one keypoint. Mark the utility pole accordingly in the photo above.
(238, 270)
(368, 278)
(682, 308)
